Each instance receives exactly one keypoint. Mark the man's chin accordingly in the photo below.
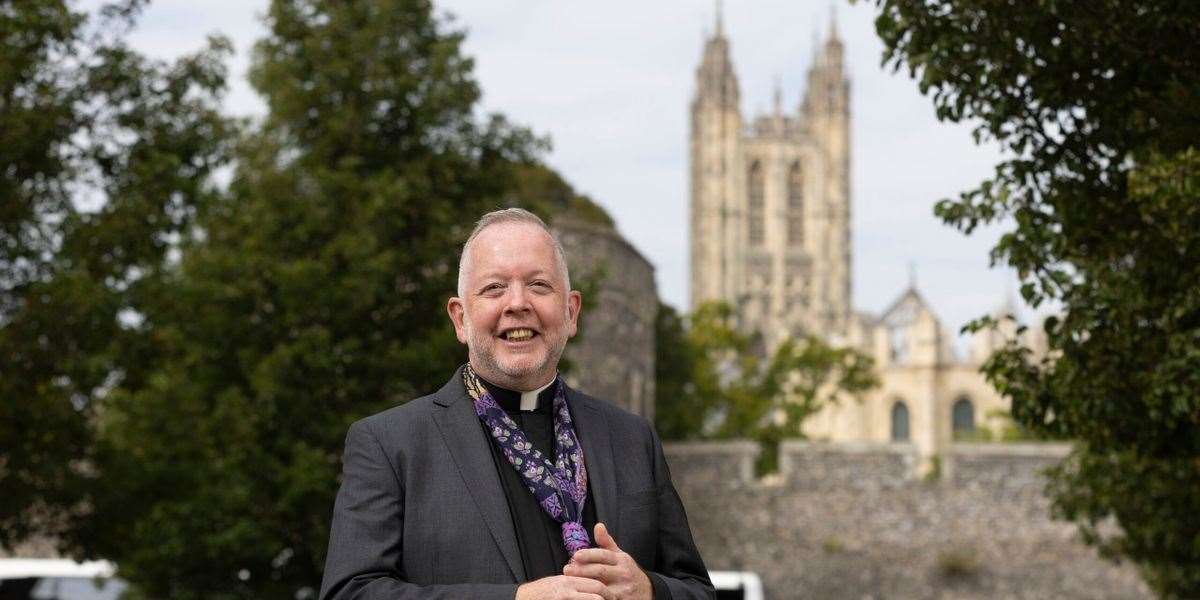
(508, 372)
(521, 370)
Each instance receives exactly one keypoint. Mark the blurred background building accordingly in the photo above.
(771, 237)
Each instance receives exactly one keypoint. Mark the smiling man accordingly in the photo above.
(506, 483)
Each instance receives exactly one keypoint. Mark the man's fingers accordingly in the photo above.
(604, 540)
(595, 555)
(586, 586)
(599, 571)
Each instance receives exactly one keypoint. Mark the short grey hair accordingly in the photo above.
(509, 215)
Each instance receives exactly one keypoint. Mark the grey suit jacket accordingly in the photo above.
(421, 512)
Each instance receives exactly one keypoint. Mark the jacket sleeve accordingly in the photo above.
(678, 566)
(365, 538)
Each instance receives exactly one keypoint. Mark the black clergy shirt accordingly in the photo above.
(539, 536)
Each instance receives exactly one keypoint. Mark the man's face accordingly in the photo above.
(516, 312)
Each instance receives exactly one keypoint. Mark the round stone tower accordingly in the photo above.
(612, 358)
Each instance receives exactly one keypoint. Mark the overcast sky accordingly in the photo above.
(610, 82)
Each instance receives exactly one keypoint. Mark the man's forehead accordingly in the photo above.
(504, 271)
(508, 247)
(501, 236)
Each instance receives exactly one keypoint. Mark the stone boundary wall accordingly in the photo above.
(859, 521)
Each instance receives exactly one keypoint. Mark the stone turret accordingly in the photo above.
(613, 357)
(716, 180)
(826, 113)
(987, 340)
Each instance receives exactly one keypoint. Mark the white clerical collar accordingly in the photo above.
(529, 400)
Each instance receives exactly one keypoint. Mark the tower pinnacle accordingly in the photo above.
(833, 35)
(715, 80)
(778, 97)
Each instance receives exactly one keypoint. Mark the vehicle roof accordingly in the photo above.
(734, 580)
(19, 568)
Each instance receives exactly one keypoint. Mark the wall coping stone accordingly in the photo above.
(1020, 449)
(744, 453)
(848, 447)
(730, 447)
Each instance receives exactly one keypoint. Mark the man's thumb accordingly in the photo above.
(603, 539)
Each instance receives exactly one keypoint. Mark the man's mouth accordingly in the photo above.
(519, 334)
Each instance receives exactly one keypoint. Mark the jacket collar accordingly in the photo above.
(470, 449)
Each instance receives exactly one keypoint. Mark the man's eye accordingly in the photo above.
(541, 285)
(492, 288)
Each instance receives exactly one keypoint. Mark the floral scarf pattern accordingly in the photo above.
(560, 487)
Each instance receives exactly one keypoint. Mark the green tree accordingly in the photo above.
(731, 391)
(181, 360)
(37, 116)
(104, 158)
(1098, 104)
(312, 295)
(677, 413)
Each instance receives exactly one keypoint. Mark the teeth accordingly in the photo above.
(517, 335)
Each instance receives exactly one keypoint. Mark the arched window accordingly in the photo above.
(795, 219)
(963, 417)
(757, 209)
(899, 422)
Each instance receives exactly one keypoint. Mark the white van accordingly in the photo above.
(58, 579)
(737, 585)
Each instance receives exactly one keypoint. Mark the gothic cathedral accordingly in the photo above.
(770, 236)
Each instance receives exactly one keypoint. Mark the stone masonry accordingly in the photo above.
(855, 521)
(613, 357)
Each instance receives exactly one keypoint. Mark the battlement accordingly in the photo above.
(824, 465)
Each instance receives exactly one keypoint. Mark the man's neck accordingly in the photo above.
(527, 384)
(508, 397)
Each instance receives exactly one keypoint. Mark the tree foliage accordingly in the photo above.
(728, 390)
(180, 359)
(1098, 105)
(104, 159)
(678, 413)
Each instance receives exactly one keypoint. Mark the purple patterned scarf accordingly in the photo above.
(560, 487)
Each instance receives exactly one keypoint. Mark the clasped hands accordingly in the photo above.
(601, 573)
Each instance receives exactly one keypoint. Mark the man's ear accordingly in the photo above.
(574, 304)
(457, 311)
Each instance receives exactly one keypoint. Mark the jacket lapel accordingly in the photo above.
(472, 454)
(592, 428)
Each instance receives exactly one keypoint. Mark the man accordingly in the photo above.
(506, 483)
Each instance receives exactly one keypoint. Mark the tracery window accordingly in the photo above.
(795, 212)
(757, 212)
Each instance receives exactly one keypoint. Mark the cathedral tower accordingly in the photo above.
(826, 110)
(770, 200)
(717, 235)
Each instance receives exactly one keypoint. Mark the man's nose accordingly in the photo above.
(518, 299)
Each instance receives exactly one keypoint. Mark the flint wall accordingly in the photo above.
(856, 521)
